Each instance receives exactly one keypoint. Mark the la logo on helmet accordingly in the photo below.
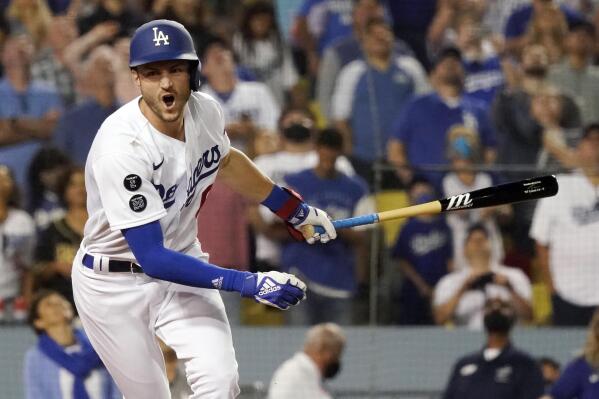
(159, 36)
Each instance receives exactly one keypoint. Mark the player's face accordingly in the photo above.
(164, 87)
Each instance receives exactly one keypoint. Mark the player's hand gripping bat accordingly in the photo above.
(509, 193)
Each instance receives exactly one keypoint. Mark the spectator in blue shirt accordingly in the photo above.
(518, 24)
(499, 371)
(371, 92)
(419, 137)
(28, 111)
(580, 378)
(63, 363)
(330, 272)
(77, 127)
(423, 252)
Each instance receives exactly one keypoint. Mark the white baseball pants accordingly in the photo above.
(123, 312)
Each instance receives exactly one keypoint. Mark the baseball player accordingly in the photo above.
(140, 271)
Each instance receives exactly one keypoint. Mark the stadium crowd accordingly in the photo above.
(359, 105)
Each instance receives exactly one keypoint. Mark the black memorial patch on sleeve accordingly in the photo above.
(138, 203)
(132, 182)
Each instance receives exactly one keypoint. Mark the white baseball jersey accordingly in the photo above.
(569, 224)
(135, 175)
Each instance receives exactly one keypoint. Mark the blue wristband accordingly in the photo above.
(276, 199)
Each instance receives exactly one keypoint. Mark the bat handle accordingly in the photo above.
(350, 222)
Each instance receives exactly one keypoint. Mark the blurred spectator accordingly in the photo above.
(484, 74)
(191, 13)
(118, 11)
(548, 17)
(318, 24)
(78, 126)
(420, 140)
(576, 77)
(579, 378)
(464, 152)
(302, 375)
(344, 50)
(125, 88)
(63, 363)
(332, 272)
(297, 153)
(566, 230)
(442, 31)
(371, 93)
(249, 107)
(51, 63)
(550, 369)
(45, 176)
(548, 28)
(16, 246)
(259, 47)
(411, 20)
(499, 370)
(30, 17)
(423, 254)
(461, 295)
(175, 373)
(58, 244)
(520, 131)
(28, 111)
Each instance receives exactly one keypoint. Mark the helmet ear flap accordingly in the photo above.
(194, 75)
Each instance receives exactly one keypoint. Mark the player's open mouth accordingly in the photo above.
(168, 100)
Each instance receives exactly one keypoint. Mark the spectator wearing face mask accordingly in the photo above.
(302, 375)
(500, 370)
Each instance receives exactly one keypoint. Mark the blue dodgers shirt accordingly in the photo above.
(334, 17)
(426, 246)
(330, 267)
(517, 23)
(425, 122)
(483, 79)
(578, 380)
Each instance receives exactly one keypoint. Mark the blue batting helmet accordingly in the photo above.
(164, 40)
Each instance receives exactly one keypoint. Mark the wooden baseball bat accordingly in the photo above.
(509, 193)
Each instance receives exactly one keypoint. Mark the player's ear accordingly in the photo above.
(135, 77)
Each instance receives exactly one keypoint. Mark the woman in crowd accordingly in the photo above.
(260, 48)
(59, 243)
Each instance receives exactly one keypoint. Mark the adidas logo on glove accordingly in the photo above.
(268, 288)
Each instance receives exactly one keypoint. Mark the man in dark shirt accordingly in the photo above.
(499, 371)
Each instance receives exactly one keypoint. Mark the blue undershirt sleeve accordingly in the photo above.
(147, 244)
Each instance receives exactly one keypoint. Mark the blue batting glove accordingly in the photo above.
(280, 290)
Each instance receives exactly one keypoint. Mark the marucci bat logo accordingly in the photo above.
(460, 201)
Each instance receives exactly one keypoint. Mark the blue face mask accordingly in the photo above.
(462, 146)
